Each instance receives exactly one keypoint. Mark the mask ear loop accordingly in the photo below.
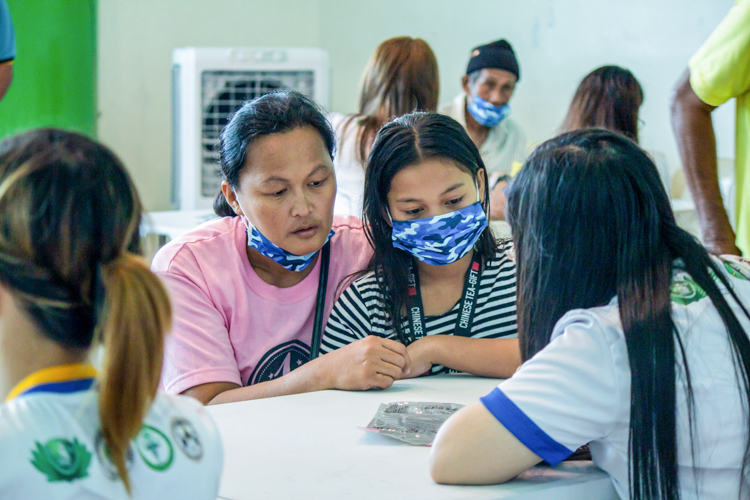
(388, 212)
(248, 226)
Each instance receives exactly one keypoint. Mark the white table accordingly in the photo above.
(310, 446)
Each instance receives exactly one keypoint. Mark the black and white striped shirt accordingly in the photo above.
(361, 310)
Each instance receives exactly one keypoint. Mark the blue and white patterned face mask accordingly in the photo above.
(486, 113)
(282, 257)
(442, 239)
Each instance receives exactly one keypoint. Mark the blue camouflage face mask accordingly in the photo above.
(282, 257)
(442, 239)
(486, 113)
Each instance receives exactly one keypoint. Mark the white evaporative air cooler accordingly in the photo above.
(208, 86)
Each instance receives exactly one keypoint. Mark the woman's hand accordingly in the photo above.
(365, 364)
(421, 356)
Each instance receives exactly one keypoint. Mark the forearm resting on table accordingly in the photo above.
(307, 378)
(693, 129)
(494, 358)
(472, 447)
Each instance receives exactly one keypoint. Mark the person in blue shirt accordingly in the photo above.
(7, 48)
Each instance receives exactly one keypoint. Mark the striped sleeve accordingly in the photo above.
(349, 321)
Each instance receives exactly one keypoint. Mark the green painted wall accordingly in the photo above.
(54, 74)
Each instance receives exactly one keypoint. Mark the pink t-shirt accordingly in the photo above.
(231, 326)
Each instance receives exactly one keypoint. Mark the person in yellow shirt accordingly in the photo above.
(719, 71)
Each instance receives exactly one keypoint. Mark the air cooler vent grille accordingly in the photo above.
(226, 91)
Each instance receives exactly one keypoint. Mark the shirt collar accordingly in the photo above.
(57, 379)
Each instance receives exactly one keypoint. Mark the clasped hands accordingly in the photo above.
(375, 362)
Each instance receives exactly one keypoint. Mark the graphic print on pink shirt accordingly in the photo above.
(228, 324)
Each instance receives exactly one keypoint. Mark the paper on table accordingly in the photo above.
(415, 423)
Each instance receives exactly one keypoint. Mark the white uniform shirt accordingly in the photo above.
(350, 172)
(505, 144)
(577, 391)
(52, 447)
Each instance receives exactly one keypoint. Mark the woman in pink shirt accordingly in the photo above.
(250, 287)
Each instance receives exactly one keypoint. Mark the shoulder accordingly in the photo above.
(453, 108)
(337, 120)
(350, 235)
(367, 285)
(37, 424)
(363, 289)
(602, 322)
(343, 123)
(348, 224)
(504, 258)
(189, 425)
(17, 422)
(366, 293)
(514, 129)
(690, 303)
(168, 406)
(719, 69)
(215, 237)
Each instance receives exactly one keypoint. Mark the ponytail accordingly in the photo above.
(136, 316)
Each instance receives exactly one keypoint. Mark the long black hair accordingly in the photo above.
(274, 113)
(401, 143)
(591, 221)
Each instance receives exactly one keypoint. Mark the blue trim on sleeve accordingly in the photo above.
(523, 428)
(66, 387)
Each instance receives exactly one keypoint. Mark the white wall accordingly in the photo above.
(557, 43)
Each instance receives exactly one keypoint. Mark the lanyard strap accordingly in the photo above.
(466, 308)
(320, 301)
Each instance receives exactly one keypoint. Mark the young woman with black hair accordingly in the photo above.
(438, 281)
(635, 340)
(70, 280)
(251, 288)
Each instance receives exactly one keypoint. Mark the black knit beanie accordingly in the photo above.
(497, 54)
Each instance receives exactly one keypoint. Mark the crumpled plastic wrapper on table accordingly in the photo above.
(415, 423)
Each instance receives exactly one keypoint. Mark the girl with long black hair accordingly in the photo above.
(438, 281)
(634, 339)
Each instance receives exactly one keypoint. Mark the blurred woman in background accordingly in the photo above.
(608, 97)
(401, 77)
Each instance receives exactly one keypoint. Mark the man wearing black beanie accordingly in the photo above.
(482, 108)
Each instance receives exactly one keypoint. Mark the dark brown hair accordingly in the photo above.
(70, 222)
(273, 113)
(400, 78)
(609, 97)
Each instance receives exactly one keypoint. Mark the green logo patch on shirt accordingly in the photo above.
(61, 460)
(154, 448)
(737, 270)
(686, 291)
